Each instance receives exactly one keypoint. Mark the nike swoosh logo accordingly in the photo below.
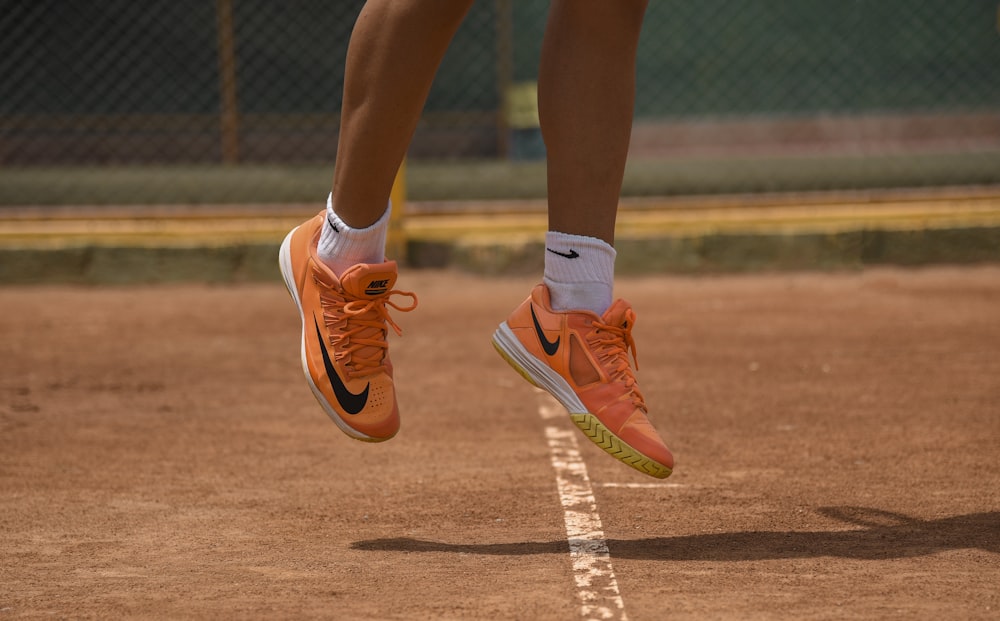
(350, 402)
(572, 254)
(550, 347)
(330, 221)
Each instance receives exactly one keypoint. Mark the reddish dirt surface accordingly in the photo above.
(836, 437)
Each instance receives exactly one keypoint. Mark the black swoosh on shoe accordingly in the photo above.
(349, 402)
(550, 347)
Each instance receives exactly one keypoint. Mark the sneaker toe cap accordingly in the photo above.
(640, 434)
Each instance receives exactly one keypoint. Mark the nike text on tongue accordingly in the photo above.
(377, 287)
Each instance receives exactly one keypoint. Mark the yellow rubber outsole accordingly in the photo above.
(616, 447)
(600, 435)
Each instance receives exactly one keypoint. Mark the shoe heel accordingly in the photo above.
(514, 365)
(285, 265)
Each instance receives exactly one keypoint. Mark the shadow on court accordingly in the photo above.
(883, 535)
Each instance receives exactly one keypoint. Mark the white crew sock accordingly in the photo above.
(579, 272)
(342, 247)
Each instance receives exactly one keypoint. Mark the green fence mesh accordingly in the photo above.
(237, 101)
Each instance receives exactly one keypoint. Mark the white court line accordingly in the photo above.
(596, 586)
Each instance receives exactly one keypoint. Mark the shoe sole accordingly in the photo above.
(285, 263)
(542, 376)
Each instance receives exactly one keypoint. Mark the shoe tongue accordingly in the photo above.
(367, 281)
(618, 314)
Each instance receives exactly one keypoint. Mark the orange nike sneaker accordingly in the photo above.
(582, 360)
(344, 324)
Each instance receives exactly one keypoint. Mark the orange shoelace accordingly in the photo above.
(612, 345)
(358, 329)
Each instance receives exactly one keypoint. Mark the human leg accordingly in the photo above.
(395, 50)
(586, 96)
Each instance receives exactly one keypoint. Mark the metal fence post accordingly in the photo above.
(396, 239)
(505, 70)
(229, 106)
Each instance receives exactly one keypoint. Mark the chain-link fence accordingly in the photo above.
(237, 101)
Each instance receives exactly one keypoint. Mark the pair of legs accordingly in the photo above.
(568, 337)
(586, 93)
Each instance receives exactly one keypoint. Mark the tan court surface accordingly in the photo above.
(836, 437)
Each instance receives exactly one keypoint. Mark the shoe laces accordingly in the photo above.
(612, 344)
(358, 331)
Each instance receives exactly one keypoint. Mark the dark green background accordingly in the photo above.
(705, 58)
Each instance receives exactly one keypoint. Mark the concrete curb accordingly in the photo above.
(123, 265)
(738, 252)
(230, 245)
(690, 254)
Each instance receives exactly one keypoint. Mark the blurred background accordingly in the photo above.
(237, 101)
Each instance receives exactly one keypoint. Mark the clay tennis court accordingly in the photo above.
(836, 439)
